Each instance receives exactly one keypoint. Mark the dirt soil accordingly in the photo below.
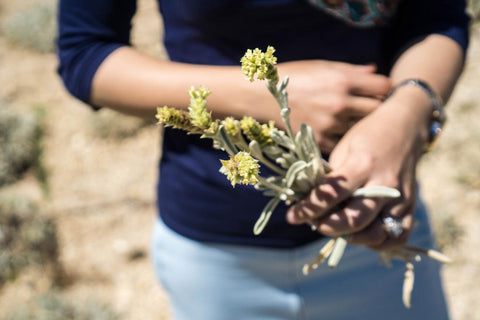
(102, 190)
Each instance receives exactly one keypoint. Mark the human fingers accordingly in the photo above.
(334, 189)
(345, 66)
(362, 79)
(369, 84)
(360, 106)
(356, 215)
(377, 234)
(391, 241)
(402, 210)
(373, 235)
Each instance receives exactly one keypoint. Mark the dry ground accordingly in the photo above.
(102, 190)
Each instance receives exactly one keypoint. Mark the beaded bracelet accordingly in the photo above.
(438, 117)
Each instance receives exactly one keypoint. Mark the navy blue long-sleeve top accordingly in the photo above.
(194, 199)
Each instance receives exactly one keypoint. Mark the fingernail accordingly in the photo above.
(291, 217)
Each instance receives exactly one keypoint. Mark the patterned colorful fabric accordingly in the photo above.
(363, 13)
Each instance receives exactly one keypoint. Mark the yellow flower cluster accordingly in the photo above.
(198, 111)
(241, 169)
(230, 125)
(253, 130)
(260, 63)
(177, 119)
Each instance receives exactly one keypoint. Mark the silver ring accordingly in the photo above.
(393, 226)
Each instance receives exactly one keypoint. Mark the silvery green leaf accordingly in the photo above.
(281, 139)
(270, 193)
(408, 280)
(293, 171)
(284, 84)
(301, 149)
(305, 139)
(272, 88)
(303, 183)
(275, 179)
(256, 152)
(260, 187)
(255, 149)
(337, 252)
(265, 216)
(283, 163)
(239, 140)
(322, 255)
(299, 138)
(310, 171)
(217, 145)
(285, 112)
(290, 157)
(436, 255)
(317, 159)
(377, 191)
(272, 151)
(226, 143)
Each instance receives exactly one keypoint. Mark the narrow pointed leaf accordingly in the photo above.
(322, 255)
(377, 191)
(337, 252)
(293, 171)
(408, 280)
(265, 216)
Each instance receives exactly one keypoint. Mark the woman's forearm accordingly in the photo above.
(131, 82)
(437, 59)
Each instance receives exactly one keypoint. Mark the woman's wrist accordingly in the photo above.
(437, 115)
(409, 110)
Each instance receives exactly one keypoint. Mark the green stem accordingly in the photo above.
(275, 187)
(227, 143)
(282, 102)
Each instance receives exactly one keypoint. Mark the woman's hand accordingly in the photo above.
(380, 150)
(332, 96)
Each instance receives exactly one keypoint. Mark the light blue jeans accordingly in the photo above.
(208, 281)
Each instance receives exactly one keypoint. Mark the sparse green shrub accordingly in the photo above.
(20, 145)
(38, 165)
(55, 307)
(32, 28)
(27, 238)
(108, 124)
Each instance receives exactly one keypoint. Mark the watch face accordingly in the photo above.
(359, 12)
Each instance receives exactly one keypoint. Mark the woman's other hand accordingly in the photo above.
(332, 96)
(380, 150)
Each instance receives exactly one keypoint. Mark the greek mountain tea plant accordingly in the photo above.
(294, 159)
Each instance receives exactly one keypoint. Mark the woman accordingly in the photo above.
(343, 57)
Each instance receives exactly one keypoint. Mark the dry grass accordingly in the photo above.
(53, 306)
(108, 124)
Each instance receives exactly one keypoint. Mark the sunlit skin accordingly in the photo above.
(372, 142)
